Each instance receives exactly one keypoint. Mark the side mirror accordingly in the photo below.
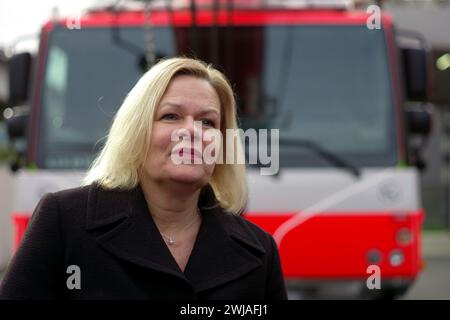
(17, 126)
(16, 119)
(19, 78)
(415, 72)
(419, 121)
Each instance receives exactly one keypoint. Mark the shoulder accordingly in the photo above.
(250, 226)
(65, 197)
(69, 199)
(237, 226)
(244, 229)
(63, 203)
(73, 194)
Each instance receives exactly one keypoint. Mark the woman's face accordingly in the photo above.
(187, 100)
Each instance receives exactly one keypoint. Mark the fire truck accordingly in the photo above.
(343, 85)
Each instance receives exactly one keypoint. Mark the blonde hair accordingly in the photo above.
(128, 141)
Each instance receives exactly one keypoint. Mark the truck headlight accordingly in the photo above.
(396, 258)
(404, 236)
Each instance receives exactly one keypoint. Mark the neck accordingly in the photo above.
(172, 207)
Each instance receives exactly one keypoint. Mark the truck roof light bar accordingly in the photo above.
(135, 5)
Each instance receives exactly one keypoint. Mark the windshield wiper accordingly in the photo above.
(322, 152)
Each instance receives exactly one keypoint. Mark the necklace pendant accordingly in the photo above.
(171, 241)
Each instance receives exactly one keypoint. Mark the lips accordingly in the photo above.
(187, 152)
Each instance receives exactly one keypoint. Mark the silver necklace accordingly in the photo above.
(171, 240)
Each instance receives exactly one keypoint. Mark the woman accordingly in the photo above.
(154, 221)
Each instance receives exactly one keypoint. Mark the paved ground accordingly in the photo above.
(434, 282)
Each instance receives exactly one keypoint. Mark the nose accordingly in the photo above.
(191, 129)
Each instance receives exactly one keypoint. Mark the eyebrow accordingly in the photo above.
(176, 105)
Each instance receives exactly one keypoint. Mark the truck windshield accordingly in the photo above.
(326, 84)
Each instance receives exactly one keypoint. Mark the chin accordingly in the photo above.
(190, 175)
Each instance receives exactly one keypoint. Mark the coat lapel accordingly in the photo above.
(122, 225)
(224, 249)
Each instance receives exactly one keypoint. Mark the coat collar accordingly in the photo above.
(225, 248)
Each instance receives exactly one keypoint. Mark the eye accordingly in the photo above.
(208, 123)
(169, 116)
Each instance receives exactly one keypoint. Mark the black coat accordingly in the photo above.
(111, 236)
